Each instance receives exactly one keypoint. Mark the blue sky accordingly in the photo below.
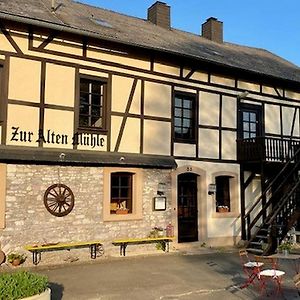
(270, 24)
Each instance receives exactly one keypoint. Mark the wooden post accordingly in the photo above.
(242, 191)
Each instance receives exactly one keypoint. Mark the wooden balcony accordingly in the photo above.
(266, 149)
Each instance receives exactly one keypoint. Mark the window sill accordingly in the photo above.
(229, 214)
(184, 141)
(92, 130)
(122, 217)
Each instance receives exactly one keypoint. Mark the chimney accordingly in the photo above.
(212, 30)
(159, 14)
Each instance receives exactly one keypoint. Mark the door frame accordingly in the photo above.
(201, 199)
(259, 109)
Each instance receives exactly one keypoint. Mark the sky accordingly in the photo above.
(270, 24)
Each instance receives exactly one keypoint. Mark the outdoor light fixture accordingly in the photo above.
(242, 95)
(212, 188)
(161, 188)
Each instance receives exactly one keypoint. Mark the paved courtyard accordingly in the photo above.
(182, 276)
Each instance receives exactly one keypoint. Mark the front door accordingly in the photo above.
(187, 208)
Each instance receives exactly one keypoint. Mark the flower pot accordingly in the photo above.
(43, 296)
(122, 211)
(16, 262)
(285, 252)
(223, 209)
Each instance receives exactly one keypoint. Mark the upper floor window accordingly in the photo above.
(184, 117)
(92, 103)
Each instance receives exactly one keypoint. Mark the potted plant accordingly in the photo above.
(285, 247)
(122, 211)
(16, 259)
(24, 285)
(223, 208)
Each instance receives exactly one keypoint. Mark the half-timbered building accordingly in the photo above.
(111, 125)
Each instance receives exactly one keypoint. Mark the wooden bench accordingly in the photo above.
(95, 246)
(123, 243)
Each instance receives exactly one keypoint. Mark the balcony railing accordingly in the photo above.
(266, 149)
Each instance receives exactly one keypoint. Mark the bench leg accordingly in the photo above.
(36, 257)
(123, 249)
(93, 249)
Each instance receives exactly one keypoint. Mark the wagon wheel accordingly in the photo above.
(59, 200)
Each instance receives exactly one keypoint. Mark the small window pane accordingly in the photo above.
(246, 135)
(186, 123)
(84, 86)
(246, 126)
(83, 121)
(187, 113)
(178, 112)
(253, 117)
(187, 104)
(178, 102)
(253, 127)
(246, 116)
(96, 87)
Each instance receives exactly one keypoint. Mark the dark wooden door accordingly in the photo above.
(250, 123)
(187, 208)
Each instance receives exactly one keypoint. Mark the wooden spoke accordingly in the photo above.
(59, 200)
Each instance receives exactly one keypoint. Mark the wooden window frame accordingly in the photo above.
(2, 105)
(104, 82)
(185, 97)
(137, 194)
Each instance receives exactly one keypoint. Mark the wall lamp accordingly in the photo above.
(242, 95)
(161, 188)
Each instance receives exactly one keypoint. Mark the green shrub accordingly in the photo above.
(21, 284)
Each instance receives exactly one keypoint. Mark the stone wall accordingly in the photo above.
(28, 221)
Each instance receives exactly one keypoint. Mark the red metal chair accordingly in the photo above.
(269, 273)
(251, 268)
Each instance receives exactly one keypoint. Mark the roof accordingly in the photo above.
(100, 23)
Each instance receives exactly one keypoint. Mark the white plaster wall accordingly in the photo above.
(220, 227)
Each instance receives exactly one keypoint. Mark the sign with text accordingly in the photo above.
(50, 137)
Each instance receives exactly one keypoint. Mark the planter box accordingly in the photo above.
(43, 296)
(122, 211)
(223, 209)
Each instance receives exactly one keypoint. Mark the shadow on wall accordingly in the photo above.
(56, 291)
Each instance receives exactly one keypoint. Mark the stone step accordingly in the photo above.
(255, 251)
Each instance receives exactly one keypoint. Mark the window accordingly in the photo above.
(92, 103)
(121, 193)
(184, 117)
(223, 193)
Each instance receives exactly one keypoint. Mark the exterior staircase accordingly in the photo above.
(276, 210)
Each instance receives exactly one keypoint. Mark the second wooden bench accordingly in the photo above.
(123, 243)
